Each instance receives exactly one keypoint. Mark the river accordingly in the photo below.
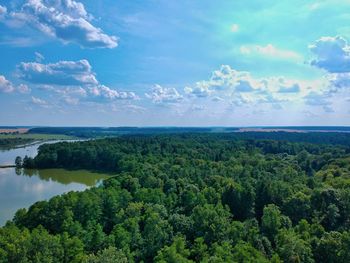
(19, 188)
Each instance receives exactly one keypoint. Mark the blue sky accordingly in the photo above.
(174, 63)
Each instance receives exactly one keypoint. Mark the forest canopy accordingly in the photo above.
(190, 198)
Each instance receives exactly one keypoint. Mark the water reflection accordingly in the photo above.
(20, 188)
(8, 156)
(64, 176)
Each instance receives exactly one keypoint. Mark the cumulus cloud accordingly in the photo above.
(3, 10)
(217, 99)
(271, 99)
(22, 88)
(239, 100)
(331, 54)
(241, 87)
(244, 86)
(39, 102)
(69, 95)
(162, 95)
(225, 79)
(60, 73)
(70, 79)
(270, 51)
(231, 89)
(5, 85)
(316, 99)
(290, 89)
(340, 80)
(108, 93)
(319, 100)
(71, 101)
(66, 20)
(200, 90)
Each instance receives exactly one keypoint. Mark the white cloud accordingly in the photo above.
(230, 90)
(225, 79)
(270, 99)
(134, 108)
(60, 73)
(244, 86)
(290, 89)
(108, 93)
(66, 20)
(3, 10)
(70, 95)
(270, 51)
(319, 100)
(71, 79)
(316, 99)
(227, 82)
(239, 100)
(22, 88)
(162, 95)
(217, 99)
(39, 57)
(71, 101)
(234, 28)
(200, 90)
(340, 80)
(40, 102)
(331, 54)
(5, 85)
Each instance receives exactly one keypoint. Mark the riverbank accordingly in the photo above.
(7, 166)
(8, 156)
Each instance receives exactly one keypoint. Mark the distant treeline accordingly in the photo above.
(311, 128)
(6, 143)
(91, 132)
(334, 138)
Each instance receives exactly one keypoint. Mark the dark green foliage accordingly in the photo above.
(190, 198)
(108, 255)
(18, 162)
(8, 143)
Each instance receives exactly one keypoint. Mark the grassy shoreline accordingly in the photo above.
(11, 141)
(35, 136)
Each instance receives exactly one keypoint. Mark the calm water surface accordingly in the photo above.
(19, 188)
(9, 156)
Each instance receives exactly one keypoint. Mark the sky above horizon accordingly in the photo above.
(174, 63)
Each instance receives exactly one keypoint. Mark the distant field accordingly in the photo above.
(34, 136)
(296, 129)
(13, 130)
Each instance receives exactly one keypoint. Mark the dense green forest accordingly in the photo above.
(190, 198)
(93, 132)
